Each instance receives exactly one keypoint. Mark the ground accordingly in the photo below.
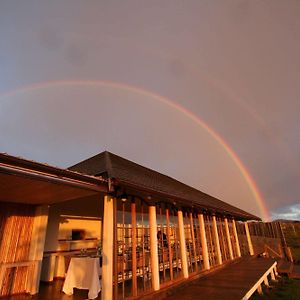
(288, 289)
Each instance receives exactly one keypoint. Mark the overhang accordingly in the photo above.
(25, 181)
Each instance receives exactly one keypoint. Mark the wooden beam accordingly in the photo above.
(133, 242)
(236, 238)
(228, 238)
(169, 244)
(203, 242)
(250, 245)
(153, 249)
(108, 244)
(184, 263)
(193, 241)
(217, 241)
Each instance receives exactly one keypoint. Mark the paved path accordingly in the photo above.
(229, 283)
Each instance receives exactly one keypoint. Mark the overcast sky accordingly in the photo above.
(80, 77)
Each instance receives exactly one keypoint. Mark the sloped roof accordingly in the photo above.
(127, 172)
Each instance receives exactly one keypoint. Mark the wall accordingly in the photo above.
(59, 226)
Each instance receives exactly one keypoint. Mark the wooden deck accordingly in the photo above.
(231, 282)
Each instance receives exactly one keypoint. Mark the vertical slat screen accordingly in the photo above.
(16, 224)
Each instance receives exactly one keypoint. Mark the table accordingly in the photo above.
(83, 273)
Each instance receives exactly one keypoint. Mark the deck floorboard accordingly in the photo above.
(230, 283)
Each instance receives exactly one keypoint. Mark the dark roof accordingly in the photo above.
(126, 172)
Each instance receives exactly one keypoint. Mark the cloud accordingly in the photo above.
(287, 212)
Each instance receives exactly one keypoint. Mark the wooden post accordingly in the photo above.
(108, 244)
(259, 290)
(228, 238)
(251, 251)
(236, 238)
(273, 275)
(184, 263)
(275, 271)
(169, 244)
(37, 247)
(115, 251)
(153, 248)
(193, 241)
(133, 244)
(266, 281)
(217, 241)
(203, 242)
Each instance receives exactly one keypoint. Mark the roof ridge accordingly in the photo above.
(108, 163)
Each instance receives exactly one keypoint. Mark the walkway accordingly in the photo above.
(230, 283)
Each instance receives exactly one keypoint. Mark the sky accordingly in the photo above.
(206, 92)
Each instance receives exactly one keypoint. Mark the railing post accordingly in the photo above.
(153, 249)
(133, 244)
(237, 244)
(108, 245)
(228, 238)
(273, 275)
(250, 245)
(184, 263)
(217, 241)
(203, 242)
(266, 281)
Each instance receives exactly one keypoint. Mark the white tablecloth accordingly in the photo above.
(83, 273)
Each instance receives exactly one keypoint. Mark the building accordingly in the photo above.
(153, 230)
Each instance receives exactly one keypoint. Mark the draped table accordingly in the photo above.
(83, 273)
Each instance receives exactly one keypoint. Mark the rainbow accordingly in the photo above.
(245, 173)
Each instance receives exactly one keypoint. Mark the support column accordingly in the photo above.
(133, 243)
(184, 263)
(251, 251)
(193, 241)
(217, 241)
(153, 249)
(203, 242)
(108, 245)
(37, 247)
(237, 244)
(228, 238)
(169, 244)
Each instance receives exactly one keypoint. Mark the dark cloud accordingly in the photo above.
(287, 212)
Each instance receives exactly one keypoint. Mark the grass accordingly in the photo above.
(288, 289)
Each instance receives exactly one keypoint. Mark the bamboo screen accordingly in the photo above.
(232, 238)
(133, 249)
(189, 243)
(16, 224)
(197, 242)
(240, 227)
(168, 245)
(264, 237)
(212, 254)
(174, 246)
(223, 239)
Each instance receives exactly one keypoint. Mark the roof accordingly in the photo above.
(26, 181)
(128, 173)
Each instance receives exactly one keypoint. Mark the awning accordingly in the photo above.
(25, 181)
